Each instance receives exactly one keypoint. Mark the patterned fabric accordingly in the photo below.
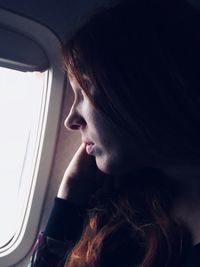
(48, 252)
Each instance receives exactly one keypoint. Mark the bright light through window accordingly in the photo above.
(21, 98)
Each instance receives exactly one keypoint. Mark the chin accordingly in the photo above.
(116, 166)
(109, 167)
(103, 165)
(103, 168)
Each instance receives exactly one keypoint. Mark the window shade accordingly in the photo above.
(19, 52)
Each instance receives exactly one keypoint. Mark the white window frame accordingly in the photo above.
(19, 247)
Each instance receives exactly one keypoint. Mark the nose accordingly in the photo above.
(74, 120)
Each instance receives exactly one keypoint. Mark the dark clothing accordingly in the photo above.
(193, 257)
(62, 230)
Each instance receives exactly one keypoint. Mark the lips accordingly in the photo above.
(89, 146)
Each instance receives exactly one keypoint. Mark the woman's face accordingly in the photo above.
(113, 149)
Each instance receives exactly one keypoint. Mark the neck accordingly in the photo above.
(187, 203)
(187, 178)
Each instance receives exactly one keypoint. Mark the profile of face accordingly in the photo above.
(114, 150)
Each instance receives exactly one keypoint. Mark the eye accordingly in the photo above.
(87, 83)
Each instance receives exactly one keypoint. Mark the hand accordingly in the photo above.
(81, 179)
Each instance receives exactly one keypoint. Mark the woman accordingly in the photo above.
(130, 196)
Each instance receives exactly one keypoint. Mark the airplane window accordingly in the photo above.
(22, 96)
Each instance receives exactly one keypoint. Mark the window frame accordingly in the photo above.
(19, 247)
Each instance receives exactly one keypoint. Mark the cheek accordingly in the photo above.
(104, 132)
(117, 159)
(112, 153)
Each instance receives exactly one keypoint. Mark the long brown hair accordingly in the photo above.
(131, 225)
(133, 55)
